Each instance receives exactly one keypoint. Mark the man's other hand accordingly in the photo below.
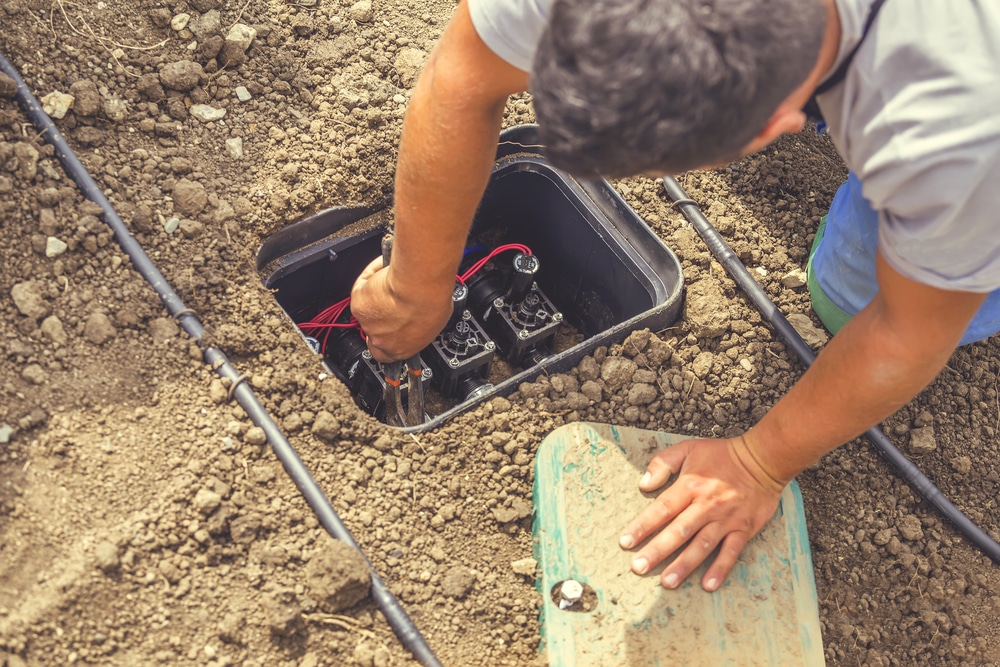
(720, 497)
(398, 323)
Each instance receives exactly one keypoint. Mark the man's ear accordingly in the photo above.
(785, 118)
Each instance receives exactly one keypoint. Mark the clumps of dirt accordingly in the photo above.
(134, 494)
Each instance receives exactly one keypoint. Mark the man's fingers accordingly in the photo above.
(663, 508)
(732, 545)
(663, 465)
(667, 541)
(697, 550)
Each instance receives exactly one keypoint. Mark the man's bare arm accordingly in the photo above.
(445, 155)
(728, 489)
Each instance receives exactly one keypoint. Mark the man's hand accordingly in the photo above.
(721, 496)
(398, 323)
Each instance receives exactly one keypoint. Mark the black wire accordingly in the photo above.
(387, 603)
(906, 468)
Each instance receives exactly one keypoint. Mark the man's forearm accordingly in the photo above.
(867, 372)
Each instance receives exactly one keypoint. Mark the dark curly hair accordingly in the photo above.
(623, 87)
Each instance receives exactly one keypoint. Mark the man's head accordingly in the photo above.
(622, 87)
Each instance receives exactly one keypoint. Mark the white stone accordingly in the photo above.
(242, 94)
(234, 147)
(206, 113)
(242, 35)
(54, 247)
(180, 21)
(171, 225)
(57, 104)
(745, 363)
(6, 430)
(794, 278)
(525, 566)
(398, 99)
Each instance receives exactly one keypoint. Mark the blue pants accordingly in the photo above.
(843, 261)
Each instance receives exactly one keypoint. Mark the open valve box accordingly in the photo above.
(554, 267)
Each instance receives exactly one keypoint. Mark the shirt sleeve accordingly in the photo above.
(511, 28)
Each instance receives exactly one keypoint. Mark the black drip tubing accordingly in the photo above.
(387, 603)
(906, 469)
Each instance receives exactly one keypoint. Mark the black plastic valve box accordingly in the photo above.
(606, 271)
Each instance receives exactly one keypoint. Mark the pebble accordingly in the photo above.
(326, 426)
(794, 278)
(922, 440)
(525, 566)
(241, 35)
(6, 431)
(255, 436)
(53, 328)
(811, 334)
(98, 328)
(205, 501)
(745, 363)
(234, 147)
(29, 299)
(171, 225)
(33, 373)
(207, 113)
(398, 99)
(361, 11)
(242, 94)
(180, 21)
(57, 104)
(54, 247)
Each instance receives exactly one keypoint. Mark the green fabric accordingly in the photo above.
(832, 316)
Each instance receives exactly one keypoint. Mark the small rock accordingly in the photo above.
(171, 225)
(702, 364)
(106, 555)
(525, 566)
(207, 113)
(325, 426)
(33, 373)
(87, 99)
(909, 528)
(241, 36)
(6, 431)
(163, 329)
(242, 94)
(182, 75)
(180, 21)
(53, 328)
(54, 247)
(641, 394)
(361, 12)
(794, 278)
(205, 501)
(191, 228)
(811, 334)
(922, 440)
(189, 197)
(458, 581)
(746, 364)
(115, 109)
(618, 371)
(160, 17)
(57, 104)
(206, 25)
(706, 309)
(255, 436)
(170, 572)
(98, 328)
(29, 299)
(234, 147)
(337, 576)
(217, 391)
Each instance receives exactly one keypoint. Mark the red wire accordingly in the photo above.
(496, 251)
(327, 318)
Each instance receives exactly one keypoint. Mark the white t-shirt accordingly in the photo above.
(917, 118)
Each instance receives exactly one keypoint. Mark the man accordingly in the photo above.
(640, 86)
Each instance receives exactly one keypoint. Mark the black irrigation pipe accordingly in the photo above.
(907, 470)
(387, 603)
